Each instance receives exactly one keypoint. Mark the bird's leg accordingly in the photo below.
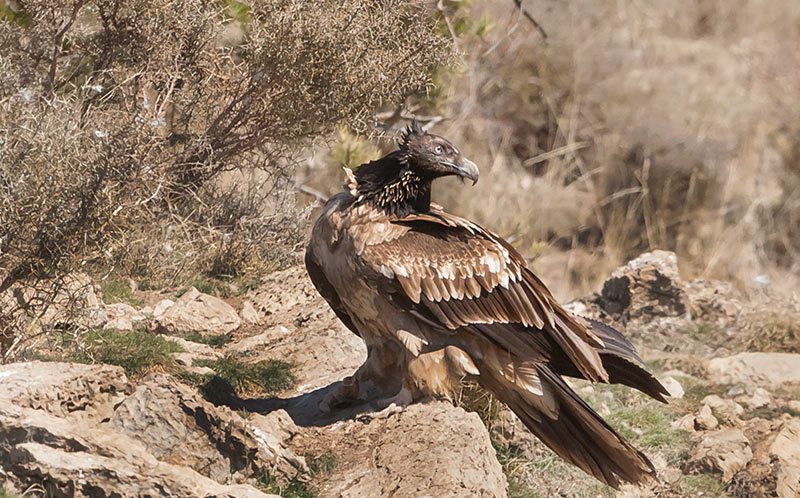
(343, 394)
(354, 388)
(394, 404)
(402, 399)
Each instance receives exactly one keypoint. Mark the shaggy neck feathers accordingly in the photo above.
(390, 185)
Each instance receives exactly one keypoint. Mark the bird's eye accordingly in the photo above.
(438, 150)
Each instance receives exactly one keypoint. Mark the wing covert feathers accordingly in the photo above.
(460, 275)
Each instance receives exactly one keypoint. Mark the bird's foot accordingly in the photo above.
(342, 395)
(394, 404)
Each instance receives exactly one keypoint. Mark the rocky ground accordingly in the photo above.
(194, 395)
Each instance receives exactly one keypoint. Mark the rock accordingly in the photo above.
(66, 390)
(67, 299)
(725, 409)
(647, 286)
(705, 420)
(443, 452)
(765, 369)
(685, 423)
(713, 301)
(199, 312)
(180, 427)
(271, 335)
(249, 313)
(119, 323)
(200, 370)
(183, 359)
(126, 310)
(72, 426)
(80, 288)
(271, 431)
(760, 397)
(82, 474)
(162, 306)
(198, 350)
(321, 348)
(725, 450)
(786, 448)
(794, 406)
(120, 316)
(283, 294)
(123, 316)
(674, 387)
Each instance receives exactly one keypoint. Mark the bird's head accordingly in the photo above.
(431, 156)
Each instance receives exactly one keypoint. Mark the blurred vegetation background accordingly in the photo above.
(635, 125)
(179, 141)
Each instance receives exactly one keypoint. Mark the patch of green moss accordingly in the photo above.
(793, 413)
(221, 286)
(206, 285)
(21, 18)
(765, 412)
(233, 379)
(701, 331)
(295, 488)
(138, 352)
(263, 377)
(238, 11)
(704, 485)
(215, 340)
(214, 388)
(321, 464)
(690, 364)
(118, 291)
(694, 392)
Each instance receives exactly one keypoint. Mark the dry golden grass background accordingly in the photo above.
(636, 125)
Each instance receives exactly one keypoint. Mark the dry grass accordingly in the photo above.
(638, 125)
(773, 328)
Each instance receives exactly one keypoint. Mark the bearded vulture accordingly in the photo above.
(437, 298)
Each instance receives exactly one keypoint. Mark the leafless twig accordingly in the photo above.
(529, 17)
(310, 191)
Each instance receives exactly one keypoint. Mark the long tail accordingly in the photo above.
(619, 357)
(564, 422)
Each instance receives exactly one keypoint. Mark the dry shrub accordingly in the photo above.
(774, 327)
(158, 139)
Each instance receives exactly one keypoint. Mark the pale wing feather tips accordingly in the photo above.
(463, 275)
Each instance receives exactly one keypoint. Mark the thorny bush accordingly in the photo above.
(157, 138)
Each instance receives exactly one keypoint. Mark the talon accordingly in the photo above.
(400, 400)
(386, 412)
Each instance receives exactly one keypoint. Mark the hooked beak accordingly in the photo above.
(467, 169)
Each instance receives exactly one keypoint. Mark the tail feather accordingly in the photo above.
(620, 359)
(576, 432)
(623, 364)
(623, 371)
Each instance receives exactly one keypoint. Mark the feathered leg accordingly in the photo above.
(380, 369)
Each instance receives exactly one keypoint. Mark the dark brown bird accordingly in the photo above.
(436, 298)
